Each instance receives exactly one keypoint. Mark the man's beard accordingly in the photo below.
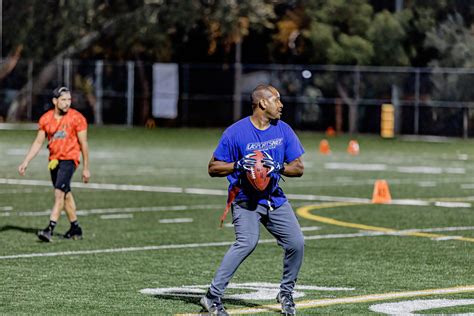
(62, 112)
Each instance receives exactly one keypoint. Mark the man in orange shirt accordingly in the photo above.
(66, 130)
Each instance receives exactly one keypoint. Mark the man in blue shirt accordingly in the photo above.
(233, 157)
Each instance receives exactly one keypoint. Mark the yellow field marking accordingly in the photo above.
(355, 299)
(305, 212)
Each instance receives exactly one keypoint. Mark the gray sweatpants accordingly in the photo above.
(282, 224)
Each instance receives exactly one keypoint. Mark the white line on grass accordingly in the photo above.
(452, 204)
(199, 191)
(310, 228)
(117, 216)
(383, 167)
(175, 220)
(214, 244)
(354, 166)
(123, 210)
(355, 299)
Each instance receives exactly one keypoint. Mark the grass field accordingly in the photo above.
(152, 241)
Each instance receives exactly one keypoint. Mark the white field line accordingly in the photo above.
(354, 166)
(117, 216)
(6, 208)
(142, 188)
(23, 191)
(123, 210)
(175, 220)
(356, 299)
(310, 228)
(400, 169)
(345, 181)
(452, 204)
(216, 244)
(162, 189)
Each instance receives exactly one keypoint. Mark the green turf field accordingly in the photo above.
(152, 241)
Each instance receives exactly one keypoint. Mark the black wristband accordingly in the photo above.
(282, 169)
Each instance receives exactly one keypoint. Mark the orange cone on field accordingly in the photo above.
(330, 132)
(381, 193)
(353, 148)
(324, 147)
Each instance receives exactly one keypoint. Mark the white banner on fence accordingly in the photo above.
(165, 90)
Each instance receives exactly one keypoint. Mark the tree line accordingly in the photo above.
(357, 32)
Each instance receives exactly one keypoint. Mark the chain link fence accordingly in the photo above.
(347, 98)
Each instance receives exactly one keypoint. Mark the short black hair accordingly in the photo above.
(262, 91)
(59, 91)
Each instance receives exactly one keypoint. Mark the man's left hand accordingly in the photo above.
(274, 166)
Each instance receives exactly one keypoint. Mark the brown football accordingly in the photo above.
(257, 176)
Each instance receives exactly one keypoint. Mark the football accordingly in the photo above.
(257, 175)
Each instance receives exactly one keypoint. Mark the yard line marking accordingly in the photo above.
(99, 186)
(116, 216)
(446, 238)
(355, 299)
(412, 306)
(354, 166)
(305, 212)
(6, 208)
(206, 191)
(199, 191)
(383, 167)
(452, 204)
(310, 228)
(122, 210)
(176, 220)
(225, 243)
(15, 191)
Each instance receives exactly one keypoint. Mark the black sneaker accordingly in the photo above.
(45, 235)
(287, 304)
(74, 233)
(214, 307)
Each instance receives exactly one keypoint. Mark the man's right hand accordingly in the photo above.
(22, 168)
(245, 163)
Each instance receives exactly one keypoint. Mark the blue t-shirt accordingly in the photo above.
(242, 138)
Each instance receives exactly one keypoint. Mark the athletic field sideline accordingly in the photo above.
(152, 237)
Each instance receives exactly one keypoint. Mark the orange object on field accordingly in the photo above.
(330, 132)
(381, 193)
(324, 147)
(353, 148)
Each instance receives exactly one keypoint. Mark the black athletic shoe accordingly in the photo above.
(74, 233)
(45, 235)
(287, 304)
(214, 307)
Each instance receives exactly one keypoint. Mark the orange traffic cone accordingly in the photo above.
(353, 148)
(381, 193)
(330, 132)
(324, 147)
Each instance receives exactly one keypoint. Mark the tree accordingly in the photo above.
(454, 46)
(387, 35)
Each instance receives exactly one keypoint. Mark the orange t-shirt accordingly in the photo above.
(63, 143)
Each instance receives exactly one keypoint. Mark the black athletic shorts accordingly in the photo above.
(62, 175)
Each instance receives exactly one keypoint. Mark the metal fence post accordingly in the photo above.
(416, 116)
(130, 94)
(29, 106)
(465, 123)
(185, 95)
(99, 66)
